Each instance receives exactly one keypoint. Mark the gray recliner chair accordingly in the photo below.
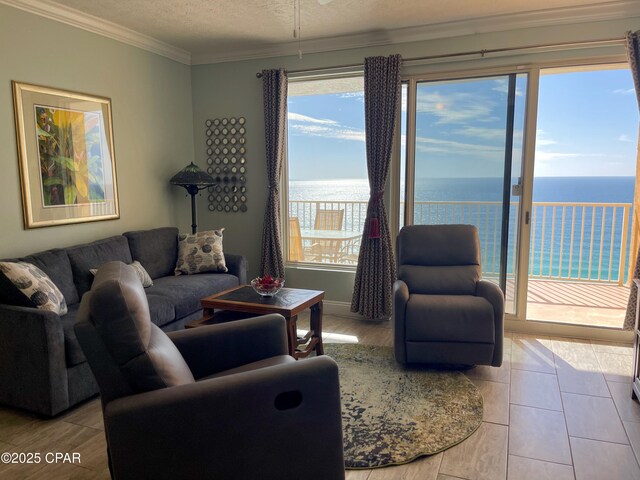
(218, 402)
(443, 312)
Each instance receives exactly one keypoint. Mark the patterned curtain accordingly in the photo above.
(633, 52)
(376, 271)
(274, 90)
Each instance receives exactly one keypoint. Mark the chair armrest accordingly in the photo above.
(233, 427)
(215, 348)
(237, 265)
(493, 294)
(400, 299)
(33, 372)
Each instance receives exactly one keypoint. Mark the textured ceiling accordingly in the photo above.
(215, 26)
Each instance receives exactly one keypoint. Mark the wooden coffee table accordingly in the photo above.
(288, 302)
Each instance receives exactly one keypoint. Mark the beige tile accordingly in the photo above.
(532, 353)
(520, 468)
(357, 474)
(616, 368)
(500, 374)
(442, 476)
(496, 401)
(535, 389)
(628, 408)
(595, 460)
(88, 414)
(580, 377)
(595, 418)
(482, 456)
(14, 424)
(633, 432)
(539, 434)
(561, 345)
(421, 469)
(65, 471)
(617, 348)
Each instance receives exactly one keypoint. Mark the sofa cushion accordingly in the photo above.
(142, 274)
(156, 249)
(449, 318)
(55, 263)
(26, 285)
(93, 255)
(186, 291)
(161, 309)
(72, 351)
(200, 253)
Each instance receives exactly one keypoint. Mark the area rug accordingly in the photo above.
(392, 415)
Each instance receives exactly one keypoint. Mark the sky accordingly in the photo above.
(587, 126)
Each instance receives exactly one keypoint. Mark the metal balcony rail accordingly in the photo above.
(569, 241)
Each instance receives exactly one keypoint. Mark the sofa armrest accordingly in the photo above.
(33, 373)
(493, 294)
(264, 423)
(400, 299)
(215, 348)
(237, 265)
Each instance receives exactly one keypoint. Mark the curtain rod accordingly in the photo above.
(482, 53)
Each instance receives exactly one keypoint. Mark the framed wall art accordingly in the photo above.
(66, 156)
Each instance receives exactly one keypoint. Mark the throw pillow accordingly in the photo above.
(200, 252)
(33, 287)
(142, 274)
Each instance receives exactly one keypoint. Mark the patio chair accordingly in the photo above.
(296, 251)
(324, 249)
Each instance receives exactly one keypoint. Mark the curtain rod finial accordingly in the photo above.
(259, 75)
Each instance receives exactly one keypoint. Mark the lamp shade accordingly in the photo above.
(191, 175)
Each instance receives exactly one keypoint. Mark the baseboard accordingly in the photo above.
(342, 309)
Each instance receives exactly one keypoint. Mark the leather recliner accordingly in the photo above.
(443, 312)
(221, 402)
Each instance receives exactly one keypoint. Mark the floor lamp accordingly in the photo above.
(193, 180)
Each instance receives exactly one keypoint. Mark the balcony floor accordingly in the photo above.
(596, 304)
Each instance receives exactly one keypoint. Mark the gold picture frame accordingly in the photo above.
(66, 156)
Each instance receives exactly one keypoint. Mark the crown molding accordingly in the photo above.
(615, 10)
(90, 23)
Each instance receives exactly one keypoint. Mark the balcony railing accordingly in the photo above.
(569, 241)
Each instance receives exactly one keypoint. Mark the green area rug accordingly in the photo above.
(392, 414)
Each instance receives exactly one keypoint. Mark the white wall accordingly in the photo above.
(152, 124)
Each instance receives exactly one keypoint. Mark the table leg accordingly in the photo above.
(292, 335)
(316, 325)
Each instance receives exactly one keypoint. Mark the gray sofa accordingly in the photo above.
(42, 367)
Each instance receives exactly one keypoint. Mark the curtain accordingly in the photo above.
(633, 52)
(376, 270)
(274, 90)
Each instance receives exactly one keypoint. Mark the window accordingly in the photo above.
(327, 183)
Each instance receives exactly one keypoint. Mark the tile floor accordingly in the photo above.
(557, 409)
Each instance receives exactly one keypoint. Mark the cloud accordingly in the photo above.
(297, 117)
(356, 95)
(335, 131)
(550, 156)
(624, 91)
(502, 86)
(457, 107)
(542, 140)
(484, 133)
(624, 138)
(434, 145)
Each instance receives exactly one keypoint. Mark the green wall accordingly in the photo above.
(232, 89)
(152, 124)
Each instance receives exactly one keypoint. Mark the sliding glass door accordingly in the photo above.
(464, 162)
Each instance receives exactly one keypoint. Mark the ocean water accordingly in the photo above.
(556, 252)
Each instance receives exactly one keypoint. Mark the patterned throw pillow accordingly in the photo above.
(200, 252)
(34, 286)
(144, 277)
